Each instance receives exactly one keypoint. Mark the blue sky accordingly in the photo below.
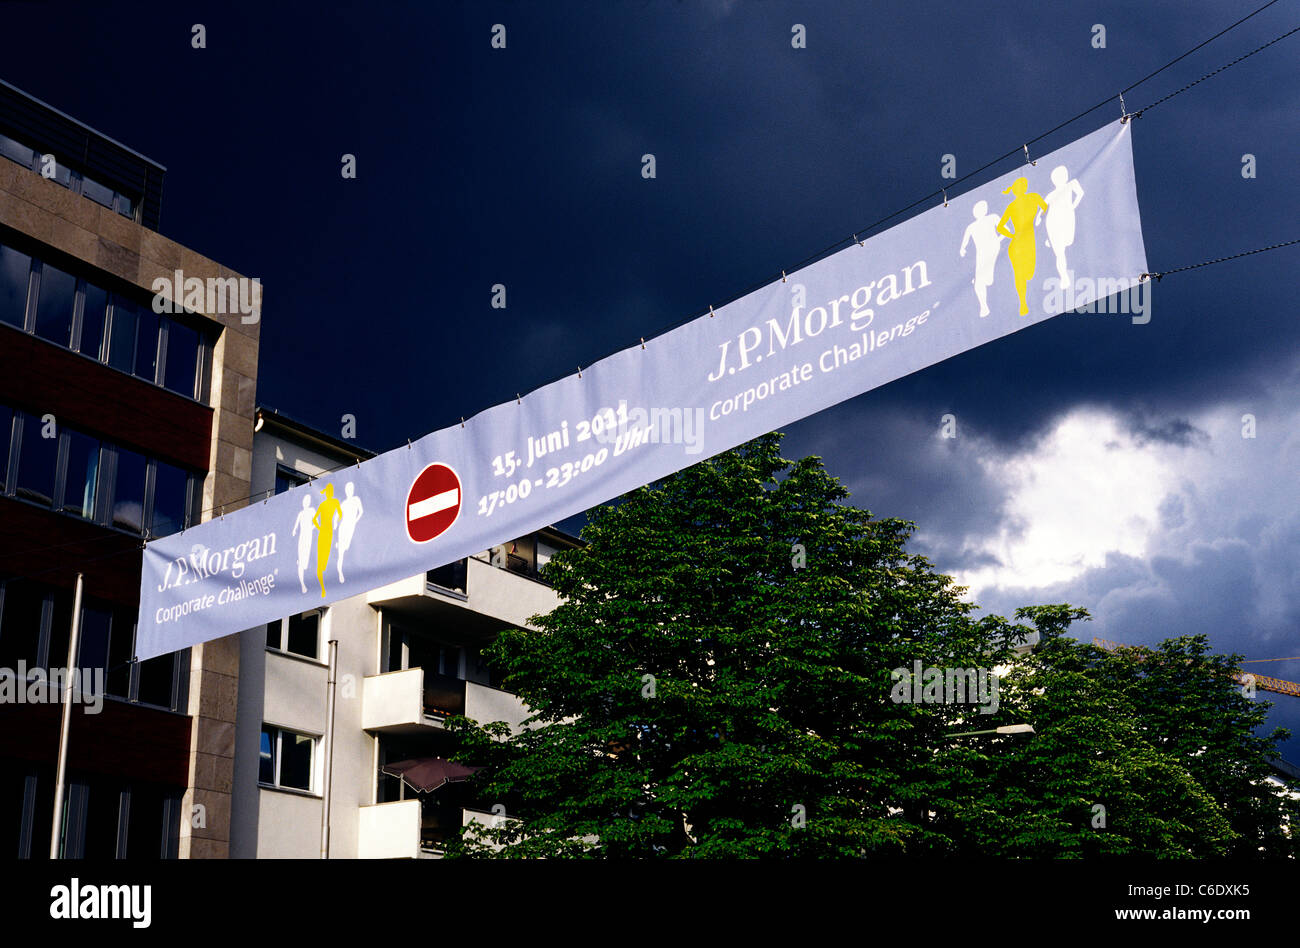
(1097, 461)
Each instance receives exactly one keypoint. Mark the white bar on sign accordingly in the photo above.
(434, 504)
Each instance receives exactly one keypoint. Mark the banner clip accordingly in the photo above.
(710, 311)
(945, 196)
(643, 342)
(860, 243)
(1123, 110)
(1026, 148)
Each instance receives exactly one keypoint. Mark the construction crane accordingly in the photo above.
(1263, 682)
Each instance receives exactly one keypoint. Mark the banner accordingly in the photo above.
(1047, 238)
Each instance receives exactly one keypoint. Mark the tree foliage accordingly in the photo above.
(716, 682)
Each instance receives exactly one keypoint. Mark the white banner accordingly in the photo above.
(1039, 241)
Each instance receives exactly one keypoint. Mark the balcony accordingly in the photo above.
(409, 701)
(389, 830)
(472, 595)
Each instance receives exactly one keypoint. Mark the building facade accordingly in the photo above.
(117, 423)
(408, 656)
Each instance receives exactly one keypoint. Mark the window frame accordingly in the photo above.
(277, 759)
(283, 623)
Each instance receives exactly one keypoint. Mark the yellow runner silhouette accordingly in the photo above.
(1023, 213)
(326, 513)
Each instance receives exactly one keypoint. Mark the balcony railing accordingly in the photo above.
(443, 695)
(453, 576)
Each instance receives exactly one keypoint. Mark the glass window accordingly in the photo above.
(14, 270)
(20, 623)
(121, 335)
(157, 679)
(146, 833)
(295, 760)
(36, 461)
(16, 151)
(170, 495)
(56, 654)
(124, 206)
(303, 637)
(59, 172)
(286, 479)
(182, 359)
(92, 648)
(266, 756)
(103, 811)
(121, 642)
(146, 346)
(82, 479)
(97, 192)
(128, 491)
(285, 759)
(54, 305)
(92, 320)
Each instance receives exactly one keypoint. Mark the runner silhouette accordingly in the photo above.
(302, 528)
(1022, 213)
(351, 512)
(328, 514)
(1061, 202)
(984, 231)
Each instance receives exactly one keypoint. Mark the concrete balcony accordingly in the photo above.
(389, 830)
(485, 704)
(394, 703)
(409, 701)
(492, 597)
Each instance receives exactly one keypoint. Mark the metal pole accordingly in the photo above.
(329, 750)
(56, 827)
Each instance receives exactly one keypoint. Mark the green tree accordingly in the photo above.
(716, 682)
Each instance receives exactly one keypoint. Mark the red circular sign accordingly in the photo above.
(433, 503)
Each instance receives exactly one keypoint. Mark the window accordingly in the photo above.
(82, 474)
(96, 481)
(170, 499)
(182, 362)
(287, 479)
(121, 335)
(97, 192)
(128, 491)
(58, 291)
(298, 634)
(146, 345)
(16, 151)
(15, 270)
(23, 605)
(92, 646)
(286, 758)
(127, 336)
(158, 685)
(94, 311)
(37, 457)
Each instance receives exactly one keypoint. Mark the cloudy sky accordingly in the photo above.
(1096, 461)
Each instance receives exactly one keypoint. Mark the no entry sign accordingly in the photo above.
(433, 503)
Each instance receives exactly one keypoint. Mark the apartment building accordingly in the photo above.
(117, 423)
(408, 656)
